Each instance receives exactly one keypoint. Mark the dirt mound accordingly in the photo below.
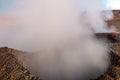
(115, 22)
(113, 72)
(11, 68)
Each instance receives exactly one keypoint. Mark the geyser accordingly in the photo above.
(60, 35)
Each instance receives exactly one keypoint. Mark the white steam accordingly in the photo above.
(61, 32)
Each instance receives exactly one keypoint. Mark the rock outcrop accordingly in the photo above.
(11, 68)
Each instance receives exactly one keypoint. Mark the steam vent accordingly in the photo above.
(113, 40)
(12, 68)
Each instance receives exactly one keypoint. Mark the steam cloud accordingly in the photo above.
(60, 33)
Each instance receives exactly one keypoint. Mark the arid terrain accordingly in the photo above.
(115, 22)
(113, 72)
(12, 68)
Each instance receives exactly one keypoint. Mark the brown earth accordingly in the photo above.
(115, 22)
(113, 72)
(12, 68)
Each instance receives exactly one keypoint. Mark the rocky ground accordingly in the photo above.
(115, 22)
(11, 68)
(113, 72)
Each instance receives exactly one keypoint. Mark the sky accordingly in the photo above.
(113, 4)
(5, 5)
